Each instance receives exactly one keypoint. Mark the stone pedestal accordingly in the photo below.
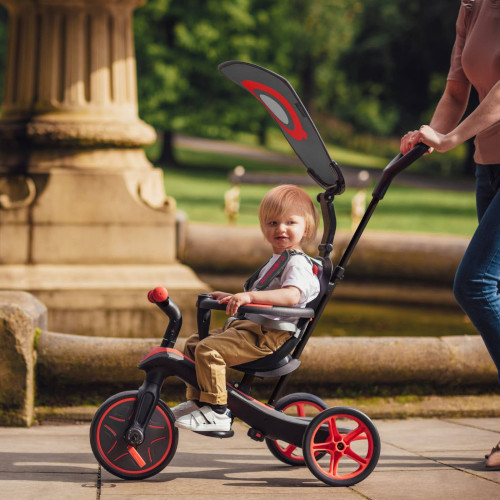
(84, 221)
(22, 319)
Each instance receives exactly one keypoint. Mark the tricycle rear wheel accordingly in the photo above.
(299, 404)
(341, 446)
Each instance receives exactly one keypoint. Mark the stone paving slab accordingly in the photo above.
(425, 435)
(421, 459)
(47, 462)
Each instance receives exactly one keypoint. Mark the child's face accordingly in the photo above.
(285, 232)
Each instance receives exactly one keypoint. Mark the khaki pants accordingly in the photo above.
(239, 341)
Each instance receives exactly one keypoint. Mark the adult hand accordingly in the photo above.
(435, 140)
(411, 139)
(235, 301)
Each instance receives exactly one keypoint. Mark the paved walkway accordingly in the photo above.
(421, 459)
(407, 178)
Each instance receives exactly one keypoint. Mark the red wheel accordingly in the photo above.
(341, 446)
(300, 404)
(113, 452)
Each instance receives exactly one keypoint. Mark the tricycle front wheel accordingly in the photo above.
(111, 450)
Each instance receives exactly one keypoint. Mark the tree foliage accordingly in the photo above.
(395, 69)
(377, 65)
(369, 67)
(179, 44)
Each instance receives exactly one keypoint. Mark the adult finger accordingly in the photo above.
(407, 142)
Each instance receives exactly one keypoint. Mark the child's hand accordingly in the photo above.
(235, 301)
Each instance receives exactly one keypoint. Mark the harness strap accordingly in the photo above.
(276, 270)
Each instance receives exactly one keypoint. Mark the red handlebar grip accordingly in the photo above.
(159, 294)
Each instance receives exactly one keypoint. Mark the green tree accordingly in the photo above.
(179, 44)
(395, 70)
(379, 66)
(311, 37)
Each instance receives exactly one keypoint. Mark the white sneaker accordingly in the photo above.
(205, 420)
(184, 409)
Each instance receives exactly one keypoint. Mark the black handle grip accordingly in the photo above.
(397, 165)
(159, 296)
(205, 302)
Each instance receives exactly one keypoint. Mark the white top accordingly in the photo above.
(298, 273)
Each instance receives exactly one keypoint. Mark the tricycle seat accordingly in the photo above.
(276, 364)
(279, 362)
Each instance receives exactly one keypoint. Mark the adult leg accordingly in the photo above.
(477, 280)
(476, 284)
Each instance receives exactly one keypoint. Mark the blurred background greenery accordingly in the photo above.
(200, 180)
(367, 71)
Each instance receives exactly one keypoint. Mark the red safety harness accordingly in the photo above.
(277, 269)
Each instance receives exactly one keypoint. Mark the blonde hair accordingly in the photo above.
(288, 198)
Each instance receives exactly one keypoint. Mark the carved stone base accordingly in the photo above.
(107, 301)
(90, 244)
(84, 221)
(87, 217)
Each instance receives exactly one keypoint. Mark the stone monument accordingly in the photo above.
(85, 225)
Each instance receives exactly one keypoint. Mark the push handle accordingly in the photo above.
(397, 165)
(159, 296)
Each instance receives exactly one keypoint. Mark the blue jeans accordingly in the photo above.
(477, 281)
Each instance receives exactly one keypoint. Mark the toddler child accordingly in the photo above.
(288, 219)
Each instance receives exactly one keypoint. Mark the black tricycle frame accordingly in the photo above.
(165, 361)
(127, 421)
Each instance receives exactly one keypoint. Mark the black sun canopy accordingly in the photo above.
(285, 106)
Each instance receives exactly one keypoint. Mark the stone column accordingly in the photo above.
(70, 88)
(84, 221)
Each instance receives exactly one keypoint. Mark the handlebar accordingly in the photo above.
(396, 166)
(159, 296)
(205, 301)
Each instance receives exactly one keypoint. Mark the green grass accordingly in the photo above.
(199, 184)
(426, 211)
(200, 194)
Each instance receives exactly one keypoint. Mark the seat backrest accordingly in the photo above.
(324, 276)
(282, 355)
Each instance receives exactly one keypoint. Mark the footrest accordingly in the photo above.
(217, 434)
(255, 434)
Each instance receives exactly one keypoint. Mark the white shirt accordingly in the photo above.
(298, 273)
